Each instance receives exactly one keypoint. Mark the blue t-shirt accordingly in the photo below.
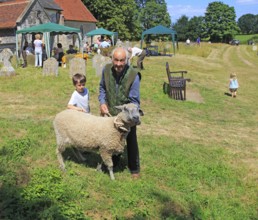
(233, 84)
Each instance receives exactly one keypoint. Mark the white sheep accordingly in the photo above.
(86, 132)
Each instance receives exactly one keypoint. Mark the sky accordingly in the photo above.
(191, 8)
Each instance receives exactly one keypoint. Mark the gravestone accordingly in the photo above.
(50, 67)
(119, 43)
(5, 58)
(31, 59)
(77, 65)
(98, 62)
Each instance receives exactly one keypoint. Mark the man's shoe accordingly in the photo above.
(135, 176)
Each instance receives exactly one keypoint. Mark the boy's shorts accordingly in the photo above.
(232, 90)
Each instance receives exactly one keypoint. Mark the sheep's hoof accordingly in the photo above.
(112, 177)
(63, 168)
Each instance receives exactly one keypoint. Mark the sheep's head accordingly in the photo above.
(130, 114)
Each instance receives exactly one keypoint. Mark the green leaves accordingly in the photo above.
(220, 22)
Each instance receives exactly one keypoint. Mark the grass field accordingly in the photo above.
(198, 157)
(244, 38)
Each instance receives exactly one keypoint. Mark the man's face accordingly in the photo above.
(119, 60)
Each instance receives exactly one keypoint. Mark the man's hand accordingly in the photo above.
(103, 109)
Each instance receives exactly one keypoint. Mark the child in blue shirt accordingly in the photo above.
(233, 85)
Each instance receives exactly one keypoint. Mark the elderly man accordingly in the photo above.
(120, 84)
(135, 51)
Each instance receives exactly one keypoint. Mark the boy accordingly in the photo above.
(80, 97)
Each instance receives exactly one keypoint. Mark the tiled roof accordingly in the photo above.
(50, 4)
(10, 11)
(75, 10)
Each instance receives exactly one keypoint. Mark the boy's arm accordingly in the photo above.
(75, 108)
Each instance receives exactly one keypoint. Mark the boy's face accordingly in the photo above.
(79, 87)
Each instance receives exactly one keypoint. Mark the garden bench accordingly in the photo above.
(176, 86)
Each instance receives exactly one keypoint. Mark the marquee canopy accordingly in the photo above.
(101, 31)
(48, 30)
(160, 30)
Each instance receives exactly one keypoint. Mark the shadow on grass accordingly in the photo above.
(92, 160)
(13, 205)
(174, 210)
(227, 94)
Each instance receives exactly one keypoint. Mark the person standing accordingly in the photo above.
(38, 50)
(120, 84)
(135, 51)
(198, 41)
(233, 85)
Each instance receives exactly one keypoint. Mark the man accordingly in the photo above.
(104, 44)
(120, 84)
(141, 55)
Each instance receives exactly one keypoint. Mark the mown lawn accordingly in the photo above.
(198, 157)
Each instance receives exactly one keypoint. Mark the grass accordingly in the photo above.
(198, 159)
(244, 38)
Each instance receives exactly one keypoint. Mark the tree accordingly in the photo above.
(247, 23)
(220, 24)
(195, 27)
(181, 27)
(116, 15)
(153, 13)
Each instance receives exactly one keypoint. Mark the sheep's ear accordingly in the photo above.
(141, 112)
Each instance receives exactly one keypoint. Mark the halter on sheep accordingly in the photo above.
(85, 132)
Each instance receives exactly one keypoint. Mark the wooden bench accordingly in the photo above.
(176, 86)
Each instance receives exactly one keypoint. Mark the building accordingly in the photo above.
(20, 14)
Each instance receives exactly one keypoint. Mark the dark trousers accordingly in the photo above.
(140, 60)
(133, 151)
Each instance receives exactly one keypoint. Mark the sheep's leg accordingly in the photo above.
(111, 174)
(78, 155)
(99, 167)
(107, 159)
(60, 158)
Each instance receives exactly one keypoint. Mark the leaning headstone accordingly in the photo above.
(95, 59)
(77, 65)
(50, 67)
(101, 63)
(127, 44)
(119, 43)
(6, 69)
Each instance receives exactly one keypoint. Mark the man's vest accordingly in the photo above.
(117, 94)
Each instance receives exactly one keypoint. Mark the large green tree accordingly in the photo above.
(220, 24)
(153, 13)
(182, 27)
(189, 28)
(248, 23)
(116, 15)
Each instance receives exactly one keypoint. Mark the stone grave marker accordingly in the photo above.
(50, 67)
(5, 58)
(77, 65)
(98, 62)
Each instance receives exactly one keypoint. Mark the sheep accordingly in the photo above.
(103, 135)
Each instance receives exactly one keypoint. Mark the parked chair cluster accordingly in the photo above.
(176, 86)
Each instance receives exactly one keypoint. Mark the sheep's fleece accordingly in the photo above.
(86, 132)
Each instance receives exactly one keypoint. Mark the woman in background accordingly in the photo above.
(38, 50)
